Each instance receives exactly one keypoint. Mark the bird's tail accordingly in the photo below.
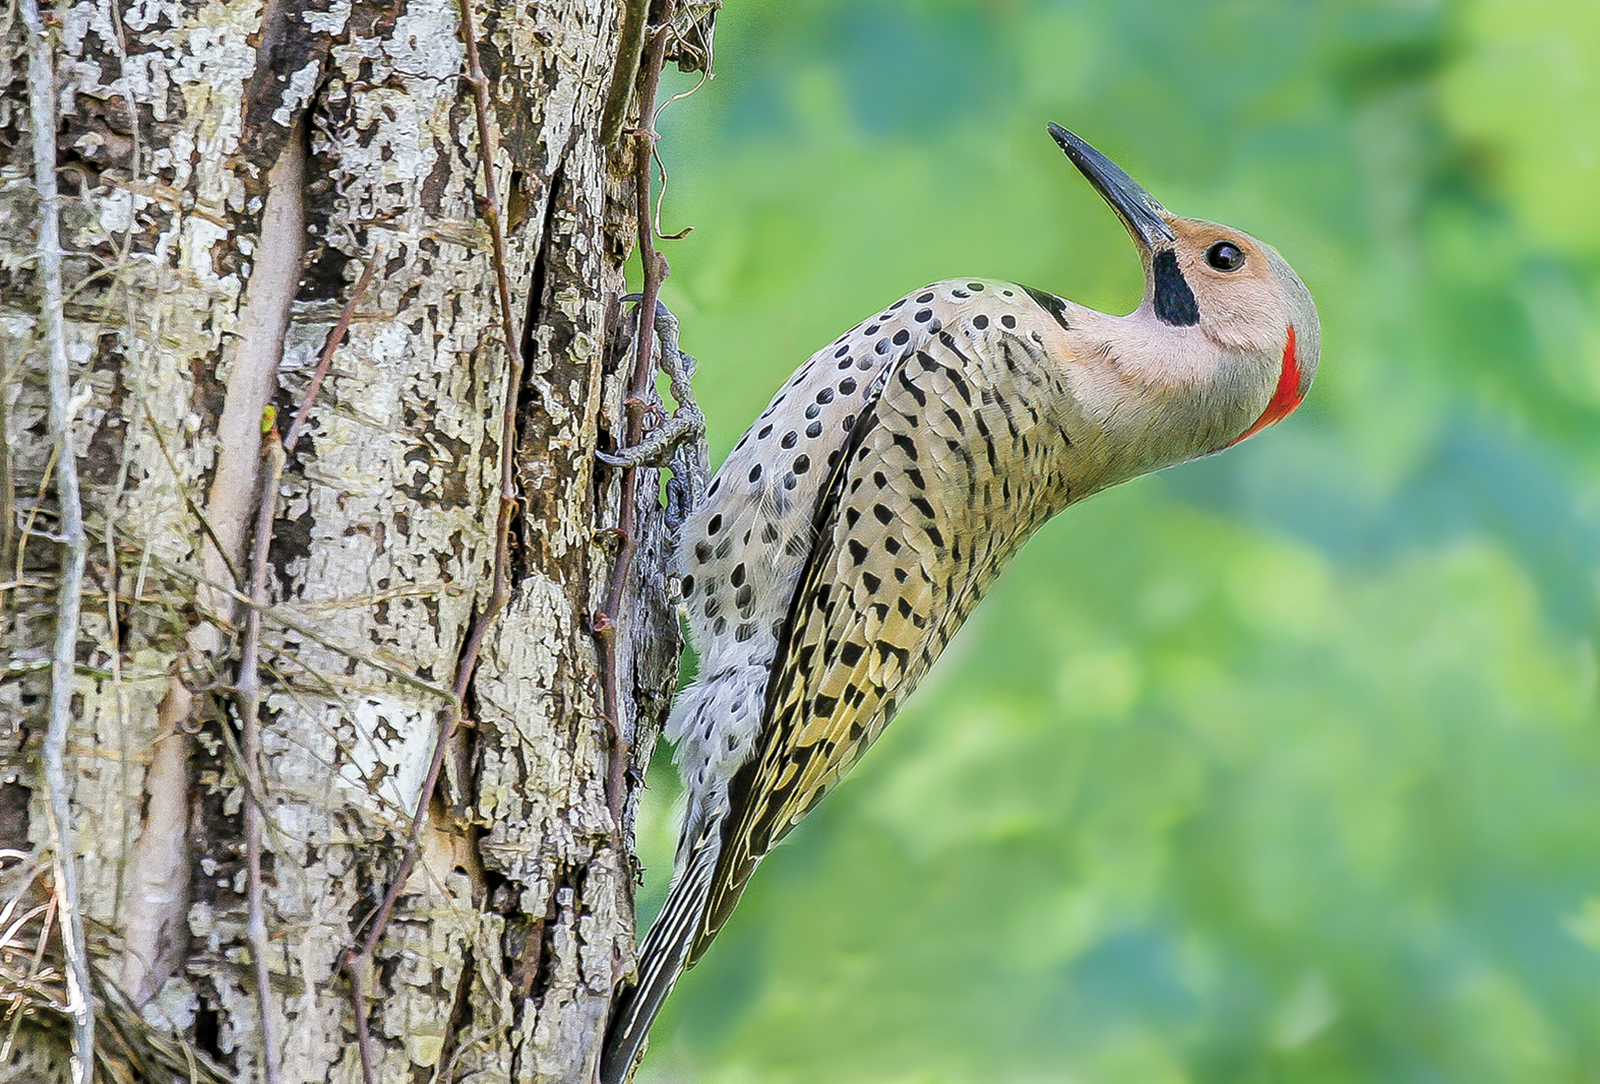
(662, 958)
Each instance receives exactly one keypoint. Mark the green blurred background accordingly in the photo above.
(1279, 766)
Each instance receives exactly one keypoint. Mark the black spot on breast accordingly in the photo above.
(923, 299)
(980, 321)
(1175, 302)
(1052, 304)
(755, 473)
(1008, 321)
(814, 430)
(789, 439)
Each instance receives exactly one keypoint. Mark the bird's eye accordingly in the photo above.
(1225, 256)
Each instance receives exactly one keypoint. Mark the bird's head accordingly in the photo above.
(1253, 311)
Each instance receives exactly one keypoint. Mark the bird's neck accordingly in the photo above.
(1149, 394)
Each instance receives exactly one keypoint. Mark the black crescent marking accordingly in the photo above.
(1051, 304)
(1175, 302)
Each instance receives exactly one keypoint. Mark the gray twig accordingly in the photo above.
(655, 267)
(249, 690)
(69, 592)
(335, 337)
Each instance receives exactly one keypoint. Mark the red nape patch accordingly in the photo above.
(1284, 399)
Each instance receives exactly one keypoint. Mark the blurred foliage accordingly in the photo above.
(1280, 766)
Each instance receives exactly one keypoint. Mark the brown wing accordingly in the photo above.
(957, 462)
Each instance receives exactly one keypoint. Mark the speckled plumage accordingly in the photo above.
(861, 518)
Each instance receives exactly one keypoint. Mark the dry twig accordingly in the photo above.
(335, 337)
(69, 592)
(655, 270)
(248, 688)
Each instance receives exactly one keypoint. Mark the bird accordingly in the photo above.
(861, 518)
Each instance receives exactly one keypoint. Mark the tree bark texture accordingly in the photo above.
(229, 168)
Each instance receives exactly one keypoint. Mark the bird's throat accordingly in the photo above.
(1285, 398)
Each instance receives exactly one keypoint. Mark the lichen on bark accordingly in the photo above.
(176, 122)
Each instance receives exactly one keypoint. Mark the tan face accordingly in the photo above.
(1238, 317)
(1235, 289)
(1245, 299)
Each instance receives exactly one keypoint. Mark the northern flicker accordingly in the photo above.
(861, 518)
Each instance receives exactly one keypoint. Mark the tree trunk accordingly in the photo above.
(227, 173)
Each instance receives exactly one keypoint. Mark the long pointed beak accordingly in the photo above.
(1138, 209)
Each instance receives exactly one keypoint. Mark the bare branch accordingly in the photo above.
(655, 270)
(69, 593)
(250, 738)
(335, 337)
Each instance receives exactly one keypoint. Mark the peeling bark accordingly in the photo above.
(227, 170)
